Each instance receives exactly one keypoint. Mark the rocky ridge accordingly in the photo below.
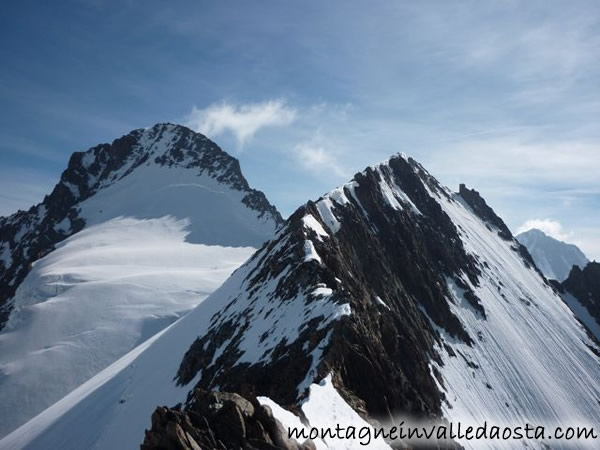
(583, 284)
(219, 421)
(370, 296)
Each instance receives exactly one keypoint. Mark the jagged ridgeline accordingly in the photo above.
(363, 284)
(27, 236)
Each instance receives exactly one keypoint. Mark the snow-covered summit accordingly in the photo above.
(162, 170)
(163, 145)
(134, 235)
(553, 257)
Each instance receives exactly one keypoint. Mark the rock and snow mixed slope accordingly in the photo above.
(135, 235)
(553, 257)
(581, 291)
(130, 178)
(388, 296)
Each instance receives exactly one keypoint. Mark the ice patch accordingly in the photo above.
(325, 208)
(63, 226)
(310, 253)
(321, 291)
(313, 224)
(381, 302)
(88, 159)
(338, 196)
(74, 189)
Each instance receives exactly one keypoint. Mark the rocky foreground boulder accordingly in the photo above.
(219, 421)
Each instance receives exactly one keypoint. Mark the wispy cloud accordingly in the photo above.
(314, 157)
(242, 121)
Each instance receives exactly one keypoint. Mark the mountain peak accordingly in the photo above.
(135, 234)
(163, 170)
(554, 258)
(384, 283)
(164, 144)
(339, 263)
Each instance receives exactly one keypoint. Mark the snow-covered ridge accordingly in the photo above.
(479, 321)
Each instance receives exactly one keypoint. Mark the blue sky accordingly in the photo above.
(502, 95)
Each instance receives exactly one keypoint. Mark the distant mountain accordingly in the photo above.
(134, 235)
(553, 257)
(390, 295)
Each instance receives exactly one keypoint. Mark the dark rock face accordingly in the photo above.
(29, 235)
(487, 214)
(481, 208)
(585, 285)
(219, 421)
(379, 354)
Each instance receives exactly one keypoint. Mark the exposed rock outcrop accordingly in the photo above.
(584, 285)
(219, 421)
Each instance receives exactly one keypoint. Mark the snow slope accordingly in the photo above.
(112, 409)
(104, 291)
(325, 408)
(215, 212)
(533, 358)
(553, 257)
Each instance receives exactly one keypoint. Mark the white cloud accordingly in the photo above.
(551, 227)
(314, 157)
(243, 121)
